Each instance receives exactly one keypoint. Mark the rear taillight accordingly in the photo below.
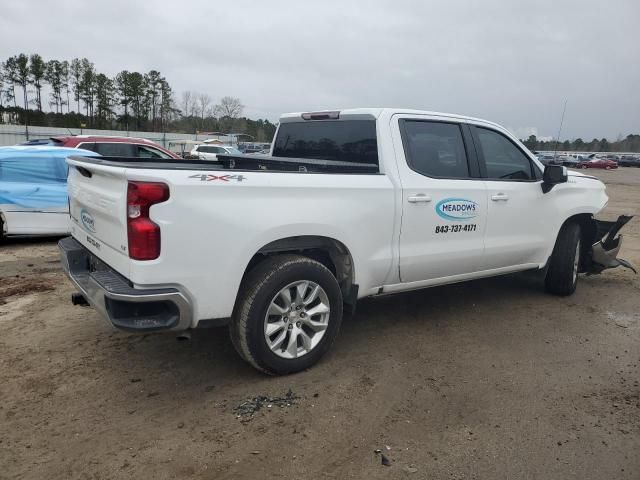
(143, 234)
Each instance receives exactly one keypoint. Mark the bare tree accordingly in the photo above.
(229, 107)
(186, 103)
(204, 101)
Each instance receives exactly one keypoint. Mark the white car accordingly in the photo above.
(352, 204)
(211, 152)
(33, 190)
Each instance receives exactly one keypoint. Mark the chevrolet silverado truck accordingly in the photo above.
(349, 204)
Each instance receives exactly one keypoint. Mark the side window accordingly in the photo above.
(435, 149)
(149, 152)
(87, 146)
(115, 149)
(504, 161)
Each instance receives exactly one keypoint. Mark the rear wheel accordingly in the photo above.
(562, 274)
(287, 315)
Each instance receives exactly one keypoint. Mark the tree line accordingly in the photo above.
(630, 143)
(79, 95)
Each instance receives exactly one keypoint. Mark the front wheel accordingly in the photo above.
(562, 274)
(287, 315)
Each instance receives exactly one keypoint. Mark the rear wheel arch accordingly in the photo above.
(330, 252)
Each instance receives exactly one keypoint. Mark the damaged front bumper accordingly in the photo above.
(605, 246)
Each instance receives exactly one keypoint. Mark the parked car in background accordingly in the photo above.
(629, 161)
(210, 152)
(114, 146)
(249, 148)
(33, 190)
(37, 141)
(598, 163)
(571, 161)
(545, 158)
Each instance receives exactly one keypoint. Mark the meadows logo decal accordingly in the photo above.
(457, 209)
(87, 221)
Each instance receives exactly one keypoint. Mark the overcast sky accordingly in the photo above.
(510, 61)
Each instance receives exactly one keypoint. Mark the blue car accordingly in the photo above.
(33, 190)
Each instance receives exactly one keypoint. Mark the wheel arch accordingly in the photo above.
(330, 252)
(588, 230)
(4, 228)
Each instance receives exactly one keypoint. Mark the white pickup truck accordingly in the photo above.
(349, 204)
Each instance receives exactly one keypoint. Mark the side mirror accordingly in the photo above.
(553, 175)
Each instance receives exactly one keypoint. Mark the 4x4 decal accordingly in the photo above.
(223, 178)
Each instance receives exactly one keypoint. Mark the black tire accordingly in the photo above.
(256, 293)
(562, 274)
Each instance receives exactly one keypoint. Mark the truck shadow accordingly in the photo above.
(208, 361)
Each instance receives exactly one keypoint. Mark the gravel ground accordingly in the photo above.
(489, 379)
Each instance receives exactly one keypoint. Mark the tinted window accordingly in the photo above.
(346, 141)
(503, 159)
(88, 146)
(115, 149)
(149, 152)
(33, 170)
(435, 149)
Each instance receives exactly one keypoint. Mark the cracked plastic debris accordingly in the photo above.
(249, 407)
(604, 251)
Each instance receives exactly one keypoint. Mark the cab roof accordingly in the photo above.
(373, 113)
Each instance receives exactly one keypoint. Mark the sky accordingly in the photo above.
(513, 62)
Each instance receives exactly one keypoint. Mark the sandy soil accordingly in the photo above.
(485, 380)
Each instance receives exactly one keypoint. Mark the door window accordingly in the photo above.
(149, 152)
(435, 149)
(503, 160)
(115, 149)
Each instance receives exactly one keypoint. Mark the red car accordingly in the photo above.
(114, 146)
(598, 163)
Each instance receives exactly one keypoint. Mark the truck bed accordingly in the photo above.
(246, 163)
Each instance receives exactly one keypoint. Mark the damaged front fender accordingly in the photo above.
(605, 246)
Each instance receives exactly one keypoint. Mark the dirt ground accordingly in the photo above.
(484, 380)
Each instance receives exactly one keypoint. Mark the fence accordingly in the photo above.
(16, 134)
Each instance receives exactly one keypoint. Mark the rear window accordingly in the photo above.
(343, 140)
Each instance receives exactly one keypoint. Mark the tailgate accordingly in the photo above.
(97, 206)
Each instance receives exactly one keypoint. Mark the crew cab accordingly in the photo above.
(349, 204)
(114, 146)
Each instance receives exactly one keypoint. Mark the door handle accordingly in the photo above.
(500, 197)
(419, 198)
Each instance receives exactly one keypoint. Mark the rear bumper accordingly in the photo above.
(112, 295)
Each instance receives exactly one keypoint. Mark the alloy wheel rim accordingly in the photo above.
(297, 319)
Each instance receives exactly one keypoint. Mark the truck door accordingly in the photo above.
(518, 212)
(444, 201)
